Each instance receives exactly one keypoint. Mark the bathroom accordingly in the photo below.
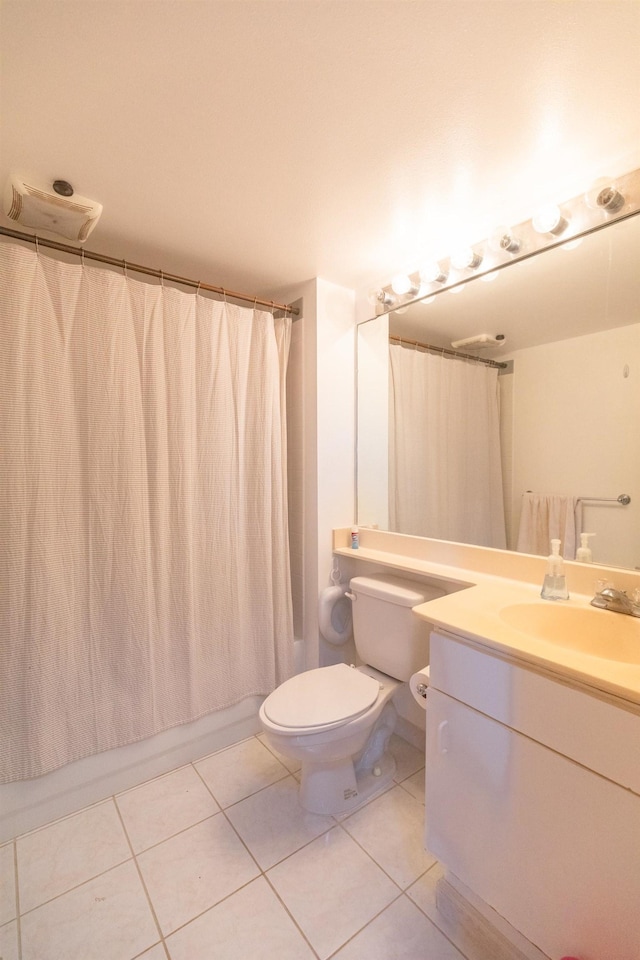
(309, 211)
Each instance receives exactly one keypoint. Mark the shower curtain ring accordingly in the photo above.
(124, 270)
(161, 278)
(35, 236)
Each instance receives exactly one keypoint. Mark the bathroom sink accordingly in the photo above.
(598, 633)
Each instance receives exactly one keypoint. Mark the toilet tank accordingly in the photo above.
(388, 636)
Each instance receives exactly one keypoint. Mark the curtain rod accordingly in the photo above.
(450, 353)
(149, 271)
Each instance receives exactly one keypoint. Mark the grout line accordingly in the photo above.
(364, 927)
(291, 916)
(140, 875)
(433, 922)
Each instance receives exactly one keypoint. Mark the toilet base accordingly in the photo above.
(335, 788)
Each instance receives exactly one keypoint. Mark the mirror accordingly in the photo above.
(570, 399)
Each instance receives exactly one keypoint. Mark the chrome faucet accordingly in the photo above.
(617, 600)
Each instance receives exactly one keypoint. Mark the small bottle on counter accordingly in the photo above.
(554, 586)
(355, 538)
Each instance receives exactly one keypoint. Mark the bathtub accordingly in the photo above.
(28, 804)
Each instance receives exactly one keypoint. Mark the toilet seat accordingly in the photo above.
(320, 699)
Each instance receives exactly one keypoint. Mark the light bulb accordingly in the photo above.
(378, 296)
(604, 195)
(549, 219)
(504, 239)
(465, 259)
(403, 284)
(432, 273)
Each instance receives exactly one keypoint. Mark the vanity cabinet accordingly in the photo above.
(533, 800)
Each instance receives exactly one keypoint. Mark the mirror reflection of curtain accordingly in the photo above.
(445, 475)
(143, 537)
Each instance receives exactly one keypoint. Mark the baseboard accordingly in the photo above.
(475, 935)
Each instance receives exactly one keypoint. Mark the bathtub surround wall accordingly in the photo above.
(28, 804)
(144, 552)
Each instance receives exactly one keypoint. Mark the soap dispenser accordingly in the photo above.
(583, 553)
(555, 582)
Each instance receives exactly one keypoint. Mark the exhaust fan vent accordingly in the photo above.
(73, 217)
(480, 342)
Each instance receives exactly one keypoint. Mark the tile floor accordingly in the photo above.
(217, 861)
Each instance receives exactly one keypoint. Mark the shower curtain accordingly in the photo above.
(144, 570)
(445, 474)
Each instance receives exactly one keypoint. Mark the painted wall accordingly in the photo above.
(576, 410)
(321, 444)
(373, 423)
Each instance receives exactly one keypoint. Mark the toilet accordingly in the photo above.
(337, 720)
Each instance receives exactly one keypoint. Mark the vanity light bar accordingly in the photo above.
(604, 203)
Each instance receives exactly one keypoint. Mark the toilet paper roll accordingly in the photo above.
(419, 684)
(334, 614)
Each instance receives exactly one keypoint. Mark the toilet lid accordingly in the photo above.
(320, 697)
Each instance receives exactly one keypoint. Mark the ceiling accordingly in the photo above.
(258, 144)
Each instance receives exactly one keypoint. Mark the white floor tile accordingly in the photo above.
(107, 918)
(68, 852)
(391, 830)
(7, 884)
(9, 941)
(415, 785)
(239, 771)
(160, 808)
(332, 889)
(156, 953)
(423, 893)
(401, 932)
(273, 824)
(194, 870)
(251, 923)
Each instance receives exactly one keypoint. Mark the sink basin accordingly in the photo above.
(598, 633)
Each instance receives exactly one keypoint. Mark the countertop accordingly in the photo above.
(473, 611)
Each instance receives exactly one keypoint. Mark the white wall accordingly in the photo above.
(321, 449)
(295, 468)
(335, 434)
(373, 423)
(575, 432)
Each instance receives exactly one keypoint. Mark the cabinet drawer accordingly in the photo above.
(593, 732)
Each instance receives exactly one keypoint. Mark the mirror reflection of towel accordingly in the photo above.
(545, 517)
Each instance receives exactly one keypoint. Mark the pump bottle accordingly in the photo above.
(555, 582)
(583, 553)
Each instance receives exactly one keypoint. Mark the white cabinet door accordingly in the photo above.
(550, 845)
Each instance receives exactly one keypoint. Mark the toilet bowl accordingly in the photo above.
(326, 719)
(337, 720)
